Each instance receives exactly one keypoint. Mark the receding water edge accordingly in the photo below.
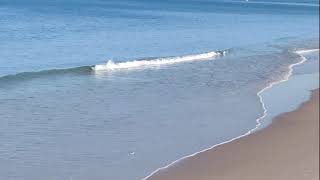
(258, 121)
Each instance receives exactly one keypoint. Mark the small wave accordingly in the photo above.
(23, 76)
(110, 65)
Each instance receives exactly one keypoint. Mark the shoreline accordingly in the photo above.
(258, 120)
(266, 154)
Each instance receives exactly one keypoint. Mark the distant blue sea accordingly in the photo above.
(113, 90)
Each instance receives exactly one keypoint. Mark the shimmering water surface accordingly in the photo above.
(190, 71)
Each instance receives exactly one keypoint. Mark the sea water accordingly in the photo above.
(116, 89)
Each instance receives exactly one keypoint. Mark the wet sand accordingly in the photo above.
(286, 150)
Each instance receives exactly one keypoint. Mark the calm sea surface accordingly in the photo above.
(182, 75)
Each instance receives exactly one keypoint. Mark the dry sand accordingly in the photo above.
(286, 150)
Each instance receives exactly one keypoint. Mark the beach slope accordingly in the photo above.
(286, 150)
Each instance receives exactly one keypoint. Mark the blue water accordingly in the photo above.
(288, 95)
(62, 119)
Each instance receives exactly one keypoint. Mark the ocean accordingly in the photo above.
(114, 90)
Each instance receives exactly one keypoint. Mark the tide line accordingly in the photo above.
(258, 120)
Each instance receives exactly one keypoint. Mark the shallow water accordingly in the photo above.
(287, 96)
(61, 119)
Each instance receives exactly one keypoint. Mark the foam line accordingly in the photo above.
(300, 52)
(258, 121)
(110, 65)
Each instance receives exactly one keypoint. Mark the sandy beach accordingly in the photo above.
(286, 150)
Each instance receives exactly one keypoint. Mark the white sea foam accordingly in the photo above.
(258, 120)
(306, 51)
(110, 65)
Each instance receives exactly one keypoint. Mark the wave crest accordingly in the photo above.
(110, 65)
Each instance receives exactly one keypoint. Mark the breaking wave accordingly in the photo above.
(110, 65)
(84, 70)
